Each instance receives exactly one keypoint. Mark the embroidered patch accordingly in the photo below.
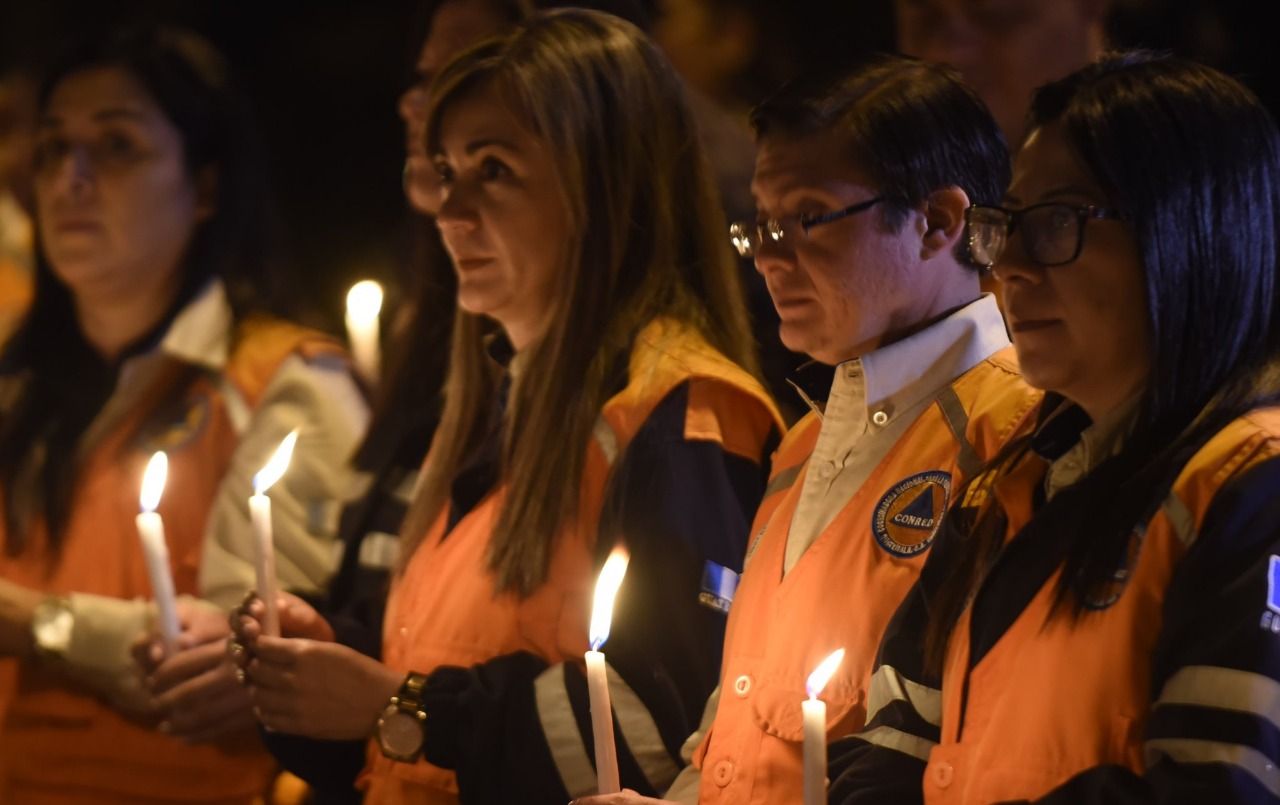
(180, 428)
(1271, 617)
(1273, 585)
(1109, 592)
(908, 516)
(719, 583)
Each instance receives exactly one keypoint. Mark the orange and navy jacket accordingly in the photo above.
(845, 587)
(60, 744)
(506, 698)
(1166, 689)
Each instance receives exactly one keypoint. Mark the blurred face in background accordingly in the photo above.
(1004, 48)
(116, 206)
(502, 215)
(17, 124)
(456, 25)
(708, 41)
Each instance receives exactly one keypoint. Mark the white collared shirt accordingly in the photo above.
(874, 399)
(1098, 442)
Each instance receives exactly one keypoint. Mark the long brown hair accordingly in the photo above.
(647, 240)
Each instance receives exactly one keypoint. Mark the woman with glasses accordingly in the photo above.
(615, 405)
(1102, 611)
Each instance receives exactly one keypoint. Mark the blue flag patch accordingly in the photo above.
(1273, 585)
(719, 583)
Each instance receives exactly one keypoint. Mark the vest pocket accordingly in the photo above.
(776, 706)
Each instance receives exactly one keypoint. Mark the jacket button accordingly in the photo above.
(826, 469)
(943, 773)
(722, 773)
(742, 686)
(880, 418)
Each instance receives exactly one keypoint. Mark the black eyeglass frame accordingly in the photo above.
(1083, 213)
(807, 222)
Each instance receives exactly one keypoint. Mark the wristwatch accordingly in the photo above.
(401, 725)
(51, 627)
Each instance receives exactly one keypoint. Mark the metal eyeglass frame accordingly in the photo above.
(740, 231)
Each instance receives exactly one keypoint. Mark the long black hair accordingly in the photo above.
(64, 382)
(1192, 159)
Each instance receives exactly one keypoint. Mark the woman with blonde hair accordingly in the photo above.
(601, 393)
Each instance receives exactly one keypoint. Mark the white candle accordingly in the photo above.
(264, 554)
(151, 533)
(602, 724)
(815, 731)
(364, 302)
(615, 567)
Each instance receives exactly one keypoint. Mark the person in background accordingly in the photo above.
(861, 237)
(150, 330)
(1004, 48)
(615, 406)
(1100, 618)
(405, 412)
(730, 53)
(17, 247)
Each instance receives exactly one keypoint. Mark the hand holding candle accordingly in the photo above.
(615, 567)
(815, 731)
(364, 302)
(264, 554)
(151, 532)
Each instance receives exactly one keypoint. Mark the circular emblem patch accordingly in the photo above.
(1109, 591)
(179, 428)
(909, 514)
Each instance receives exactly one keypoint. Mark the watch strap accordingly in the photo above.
(409, 697)
(406, 703)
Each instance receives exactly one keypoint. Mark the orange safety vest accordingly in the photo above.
(16, 291)
(60, 744)
(443, 611)
(846, 586)
(1054, 697)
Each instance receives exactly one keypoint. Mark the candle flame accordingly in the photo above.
(818, 679)
(615, 567)
(275, 468)
(364, 300)
(153, 481)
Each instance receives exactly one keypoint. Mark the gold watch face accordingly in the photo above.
(400, 734)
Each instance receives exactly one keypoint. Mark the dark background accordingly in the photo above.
(324, 77)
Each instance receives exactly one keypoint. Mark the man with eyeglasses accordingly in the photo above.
(861, 185)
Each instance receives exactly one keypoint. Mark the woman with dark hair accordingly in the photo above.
(615, 403)
(152, 329)
(1100, 616)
